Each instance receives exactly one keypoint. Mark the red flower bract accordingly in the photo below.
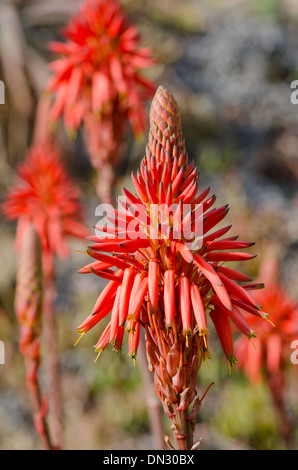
(169, 275)
(45, 197)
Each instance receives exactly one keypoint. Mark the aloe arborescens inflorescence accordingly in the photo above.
(165, 271)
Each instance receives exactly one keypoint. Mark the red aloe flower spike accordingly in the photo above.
(270, 359)
(45, 197)
(170, 286)
(97, 82)
(28, 305)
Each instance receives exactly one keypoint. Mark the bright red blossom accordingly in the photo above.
(97, 80)
(273, 343)
(100, 64)
(45, 197)
(160, 281)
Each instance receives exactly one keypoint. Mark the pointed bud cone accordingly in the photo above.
(153, 284)
(28, 294)
(184, 303)
(127, 283)
(164, 114)
(169, 297)
(224, 332)
(198, 309)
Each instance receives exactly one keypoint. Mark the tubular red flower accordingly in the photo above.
(198, 309)
(224, 331)
(169, 297)
(184, 299)
(126, 287)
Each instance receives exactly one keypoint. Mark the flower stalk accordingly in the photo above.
(28, 305)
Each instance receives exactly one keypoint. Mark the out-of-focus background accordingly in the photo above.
(230, 64)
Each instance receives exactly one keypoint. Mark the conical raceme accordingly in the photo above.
(97, 82)
(97, 78)
(28, 308)
(28, 296)
(169, 283)
(45, 197)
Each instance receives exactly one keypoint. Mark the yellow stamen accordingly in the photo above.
(81, 334)
(99, 353)
(250, 339)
